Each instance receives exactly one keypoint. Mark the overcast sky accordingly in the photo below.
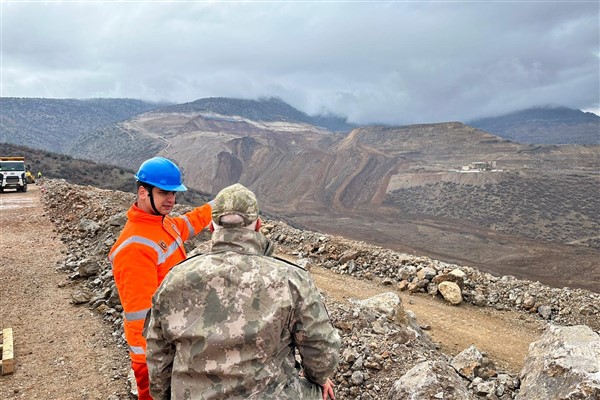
(387, 62)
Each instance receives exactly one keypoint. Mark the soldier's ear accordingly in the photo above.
(211, 227)
(258, 225)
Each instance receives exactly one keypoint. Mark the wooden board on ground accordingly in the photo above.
(8, 360)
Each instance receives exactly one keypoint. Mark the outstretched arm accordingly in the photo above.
(195, 221)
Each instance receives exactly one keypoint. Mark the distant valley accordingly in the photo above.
(449, 190)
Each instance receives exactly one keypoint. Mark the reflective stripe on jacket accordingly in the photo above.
(147, 248)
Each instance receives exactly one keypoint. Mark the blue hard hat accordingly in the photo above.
(162, 173)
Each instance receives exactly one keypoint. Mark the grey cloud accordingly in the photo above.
(394, 63)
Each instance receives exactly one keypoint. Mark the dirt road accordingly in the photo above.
(64, 351)
(504, 335)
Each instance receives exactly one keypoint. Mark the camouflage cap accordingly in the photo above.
(235, 199)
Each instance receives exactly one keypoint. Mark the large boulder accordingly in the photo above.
(564, 364)
(388, 304)
(451, 292)
(430, 380)
(467, 362)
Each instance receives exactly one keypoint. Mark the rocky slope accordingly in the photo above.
(385, 352)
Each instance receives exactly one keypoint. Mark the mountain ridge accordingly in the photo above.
(51, 124)
(22, 118)
(544, 125)
(265, 109)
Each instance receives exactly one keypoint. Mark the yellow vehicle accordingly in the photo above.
(29, 176)
(13, 173)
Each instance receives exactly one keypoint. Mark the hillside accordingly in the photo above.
(552, 208)
(544, 125)
(52, 124)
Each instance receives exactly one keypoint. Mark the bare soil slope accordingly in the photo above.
(66, 352)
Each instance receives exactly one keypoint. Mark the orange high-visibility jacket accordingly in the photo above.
(147, 248)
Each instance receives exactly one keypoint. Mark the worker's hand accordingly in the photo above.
(328, 390)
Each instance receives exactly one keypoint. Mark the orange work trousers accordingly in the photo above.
(140, 370)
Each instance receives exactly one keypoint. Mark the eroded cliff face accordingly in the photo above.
(296, 167)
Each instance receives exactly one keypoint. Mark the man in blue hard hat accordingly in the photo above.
(150, 244)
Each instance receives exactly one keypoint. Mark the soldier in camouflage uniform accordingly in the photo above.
(225, 325)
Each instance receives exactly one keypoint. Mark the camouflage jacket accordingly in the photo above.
(225, 325)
